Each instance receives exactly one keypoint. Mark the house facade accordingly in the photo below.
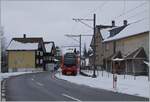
(25, 54)
(102, 33)
(49, 58)
(133, 43)
(129, 44)
(99, 45)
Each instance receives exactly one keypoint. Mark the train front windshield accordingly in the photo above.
(69, 59)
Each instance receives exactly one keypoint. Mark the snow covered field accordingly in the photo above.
(138, 86)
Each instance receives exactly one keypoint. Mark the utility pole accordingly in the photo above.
(0, 37)
(80, 51)
(94, 49)
(94, 38)
(79, 36)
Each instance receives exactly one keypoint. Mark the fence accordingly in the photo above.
(3, 90)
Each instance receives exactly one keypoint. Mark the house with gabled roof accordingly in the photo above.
(132, 42)
(25, 54)
(103, 32)
(49, 57)
(135, 62)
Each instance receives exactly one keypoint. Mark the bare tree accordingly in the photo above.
(3, 51)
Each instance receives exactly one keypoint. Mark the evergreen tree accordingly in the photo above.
(85, 54)
(75, 51)
(90, 51)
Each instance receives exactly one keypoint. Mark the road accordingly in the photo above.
(43, 87)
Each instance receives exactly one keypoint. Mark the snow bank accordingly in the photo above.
(7, 75)
(138, 87)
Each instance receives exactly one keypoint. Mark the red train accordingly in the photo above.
(70, 64)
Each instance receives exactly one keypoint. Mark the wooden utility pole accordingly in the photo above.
(80, 51)
(94, 49)
(94, 38)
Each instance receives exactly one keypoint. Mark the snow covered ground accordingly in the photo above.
(6, 75)
(138, 86)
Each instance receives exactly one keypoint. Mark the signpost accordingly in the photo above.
(115, 82)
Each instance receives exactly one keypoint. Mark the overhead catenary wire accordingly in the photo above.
(139, 20)
(75, 39)
(124, 8)
(98, 7)
(124, 13)
(135, 15)
(85, 24)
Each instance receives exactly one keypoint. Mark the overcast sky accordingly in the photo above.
(53, 19)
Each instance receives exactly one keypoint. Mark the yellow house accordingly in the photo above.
(25, 54)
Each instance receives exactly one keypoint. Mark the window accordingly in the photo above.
(39, 46)
(37, 61)
(41, 61)
(41, 53)
(44, 58)
(37, 52)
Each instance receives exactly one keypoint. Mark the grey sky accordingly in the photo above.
(53, 19)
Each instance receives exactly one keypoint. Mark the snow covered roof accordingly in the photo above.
(56, 60)
(132, 29)
(118, 59)
(147, 63)
(91, 54)
(138, 53)
(16, 45)
(105, 33)
(48, 47)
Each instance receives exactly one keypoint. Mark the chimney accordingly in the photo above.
(24, 35)
(113, 23)
(125, 22)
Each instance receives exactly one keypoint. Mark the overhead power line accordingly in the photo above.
(130, 10)
(86, 24)
(75, 39)
(124, 7)
(139, 20)
(98, 7)
(135, 15)
(77, 19)
(81, 21)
